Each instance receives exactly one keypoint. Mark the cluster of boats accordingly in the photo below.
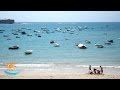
(23, 31)
(54, 43)
(82, 46)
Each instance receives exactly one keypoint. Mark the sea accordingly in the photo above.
(67, 35)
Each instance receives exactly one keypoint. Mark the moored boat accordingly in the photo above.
(14, 47)
(56, 45)
(81, 46)
(27, 52)
(99, 45)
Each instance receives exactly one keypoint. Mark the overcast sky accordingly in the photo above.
(62, 16)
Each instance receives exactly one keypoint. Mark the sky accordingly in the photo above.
(61, 16)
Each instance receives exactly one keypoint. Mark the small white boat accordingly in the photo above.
(58, 29)
(56, 45)
(28, 52)
(81, 46)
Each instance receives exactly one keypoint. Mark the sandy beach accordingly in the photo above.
(38, 74)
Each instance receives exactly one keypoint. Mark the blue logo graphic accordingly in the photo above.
(11, 73)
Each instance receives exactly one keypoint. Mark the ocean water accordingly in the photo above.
(68, 52)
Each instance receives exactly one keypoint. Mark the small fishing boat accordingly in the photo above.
(110, 41)
(27, 52)
(56, 45)
(51, 42)
(5, 35)
(29, 35)
(1, 32)
(81, 46)
(39, 35)
(99, 45)
(14, 47)
(17, 37)
(23, 33)
(9, 39)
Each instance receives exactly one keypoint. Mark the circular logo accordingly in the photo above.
(11, 69)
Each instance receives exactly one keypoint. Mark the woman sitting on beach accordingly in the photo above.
(90, 72)
(94, 71)
(98, 71)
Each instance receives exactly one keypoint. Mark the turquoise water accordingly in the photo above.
(44, 52)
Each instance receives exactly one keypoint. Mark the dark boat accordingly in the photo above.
(7, 21)
(23, 33)
(14, 47)
(110, 41)
(99, 45)
(39, 36)
(52, 41)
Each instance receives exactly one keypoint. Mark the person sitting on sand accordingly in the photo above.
(94, 71)
(101, 70)
(90, 72)
(98, 71)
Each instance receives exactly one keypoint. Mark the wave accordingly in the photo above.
(64, 65)
(57, 65)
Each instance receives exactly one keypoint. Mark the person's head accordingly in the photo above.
(100, 66)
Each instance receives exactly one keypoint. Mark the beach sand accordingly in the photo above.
(37, 74)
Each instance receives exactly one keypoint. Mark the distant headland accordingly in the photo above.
(7, 21)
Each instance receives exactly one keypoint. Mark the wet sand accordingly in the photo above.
(38, 74)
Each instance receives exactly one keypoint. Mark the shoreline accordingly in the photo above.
(60, 73)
